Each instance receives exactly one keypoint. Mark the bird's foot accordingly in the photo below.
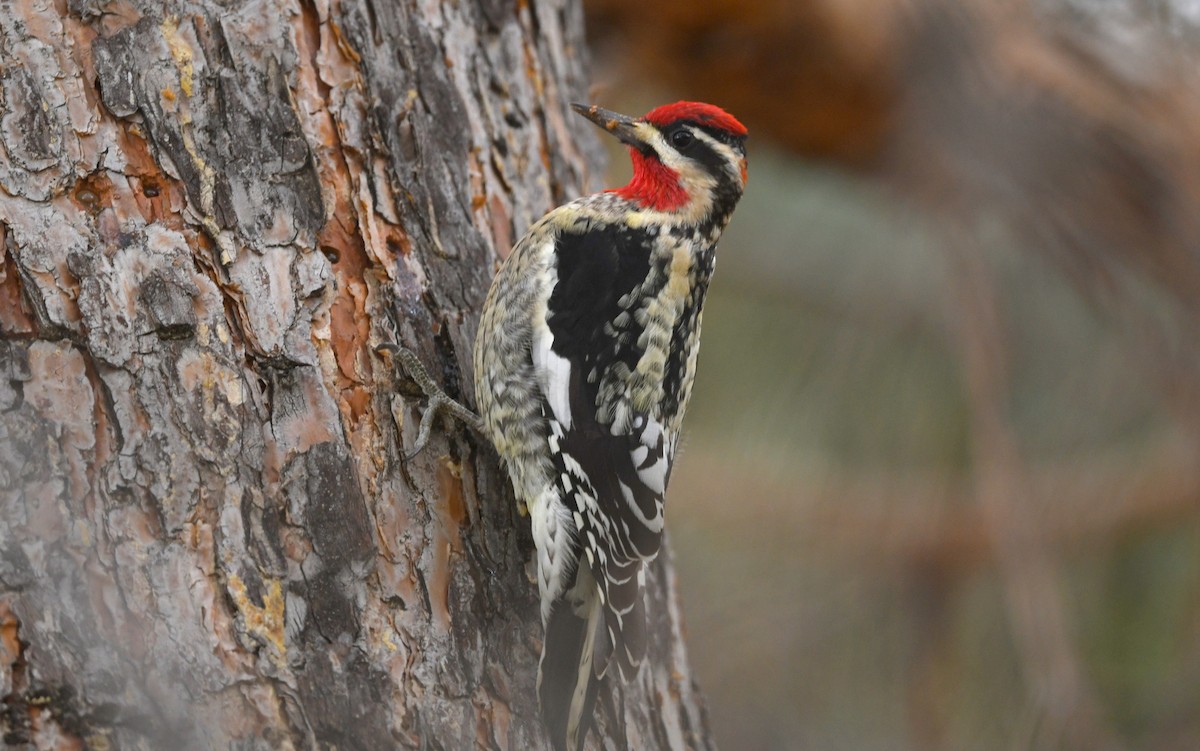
(437, 400)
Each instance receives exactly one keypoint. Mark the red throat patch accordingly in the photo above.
(654, 185)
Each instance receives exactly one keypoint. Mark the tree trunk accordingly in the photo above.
(209, 218)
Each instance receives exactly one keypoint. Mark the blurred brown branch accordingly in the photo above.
(1030, 572)
(931, 519)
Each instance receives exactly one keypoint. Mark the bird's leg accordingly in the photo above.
(438, 401)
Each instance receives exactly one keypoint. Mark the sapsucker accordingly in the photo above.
(584, 365)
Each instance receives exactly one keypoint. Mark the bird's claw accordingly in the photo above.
(438, 400)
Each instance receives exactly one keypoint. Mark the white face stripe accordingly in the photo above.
(733, 160)
(671, 157)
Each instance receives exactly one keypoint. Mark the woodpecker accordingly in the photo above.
(584, 364)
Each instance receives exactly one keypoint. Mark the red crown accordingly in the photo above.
(698, 112)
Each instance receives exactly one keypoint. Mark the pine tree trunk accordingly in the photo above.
(210, 216)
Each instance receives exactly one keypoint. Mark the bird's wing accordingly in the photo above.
(612, 462)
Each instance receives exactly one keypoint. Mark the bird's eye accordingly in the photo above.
(681, 139)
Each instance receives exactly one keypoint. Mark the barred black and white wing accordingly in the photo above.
(613, 458)
(618, 483)
(614, 353)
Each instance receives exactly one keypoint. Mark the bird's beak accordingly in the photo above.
(623, 127)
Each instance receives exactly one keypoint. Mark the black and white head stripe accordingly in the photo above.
(681, 144)
(721, 153)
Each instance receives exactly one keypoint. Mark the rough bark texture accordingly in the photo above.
(210, 214)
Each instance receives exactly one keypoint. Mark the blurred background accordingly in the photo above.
(941, 481)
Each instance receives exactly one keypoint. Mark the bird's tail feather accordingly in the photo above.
(567, 673)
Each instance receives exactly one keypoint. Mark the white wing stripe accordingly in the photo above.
(554, 374)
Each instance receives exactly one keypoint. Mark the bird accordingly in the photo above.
(584, 362)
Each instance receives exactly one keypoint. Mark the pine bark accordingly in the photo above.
(211, 213)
